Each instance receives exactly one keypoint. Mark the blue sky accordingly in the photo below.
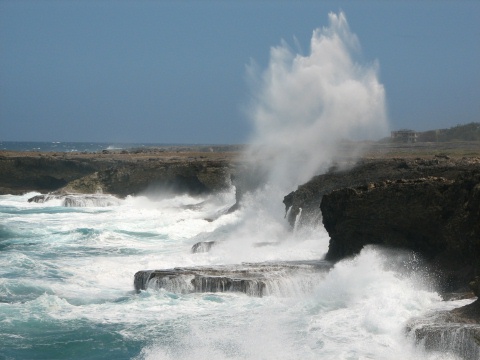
(175, 72)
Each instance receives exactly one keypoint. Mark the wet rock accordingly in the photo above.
(78, 200)
(475, 286)
(203, 246)
(443, 332)
(434, 216)
(456, 331)
(265, 243)
(206, 246)
(469, 313)
(367, 171)
(254, 279)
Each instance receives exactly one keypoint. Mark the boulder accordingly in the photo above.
(203, 246)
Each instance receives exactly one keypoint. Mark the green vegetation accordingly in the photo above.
(466, 132)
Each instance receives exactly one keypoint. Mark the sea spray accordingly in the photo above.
(355, 311)
(297, 220)
(66, 286)
(304, 106)
(303, 109)
(66, 289)
(365, 302)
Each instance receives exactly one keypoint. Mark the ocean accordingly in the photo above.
(66, 286)
(66, 146)
(67, 273)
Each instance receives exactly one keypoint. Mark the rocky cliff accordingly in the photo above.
(117, 173)
(20, 172)
(430, 206)
(351, 174)
(433, 216)
(179, 177)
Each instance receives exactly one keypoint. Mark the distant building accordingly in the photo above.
(404, 135)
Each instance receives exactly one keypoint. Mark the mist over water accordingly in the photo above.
(305, 109)
(305, 105)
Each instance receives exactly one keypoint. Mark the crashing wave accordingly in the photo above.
(78, 200)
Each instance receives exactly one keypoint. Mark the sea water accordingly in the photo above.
(68, 146)
(66, 286)
(66, 273)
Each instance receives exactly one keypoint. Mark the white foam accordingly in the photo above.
(361, 302)
(305, 105)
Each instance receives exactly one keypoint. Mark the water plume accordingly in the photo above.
(304, 107)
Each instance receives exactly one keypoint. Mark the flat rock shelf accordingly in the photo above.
(254, 279)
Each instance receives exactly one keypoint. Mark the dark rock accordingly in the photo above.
(436, 217)
(234, 207)
(38, 199)
(430, 206)
(118, 173)
(475, 286)
(368, 171)
(182, 177)
(203, 246)
(78, 200)
(288, 202)
(446, 332)
(456, 331)
(257, 279)
(469, 313)
(21, 174)
(248, 177)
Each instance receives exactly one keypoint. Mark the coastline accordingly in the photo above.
(405, 168)
(25, 171)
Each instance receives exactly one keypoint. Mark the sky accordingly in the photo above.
(176, 71)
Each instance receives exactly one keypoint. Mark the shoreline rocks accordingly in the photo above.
(428, 205)
(433, 216)
(253, 279)
(351, 174)
(456, 331)
(430, 208)
(118, 173)
(437, 332)
(78, 200)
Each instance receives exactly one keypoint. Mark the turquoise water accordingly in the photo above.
(65, 146)
(66, 287)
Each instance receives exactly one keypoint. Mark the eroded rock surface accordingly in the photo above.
(456, 331)
(434, 216)
(21, 173)
(354, 174)
(117, 173)
(177, 177)
(254, 279)
(78, 200)
(441, 332)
